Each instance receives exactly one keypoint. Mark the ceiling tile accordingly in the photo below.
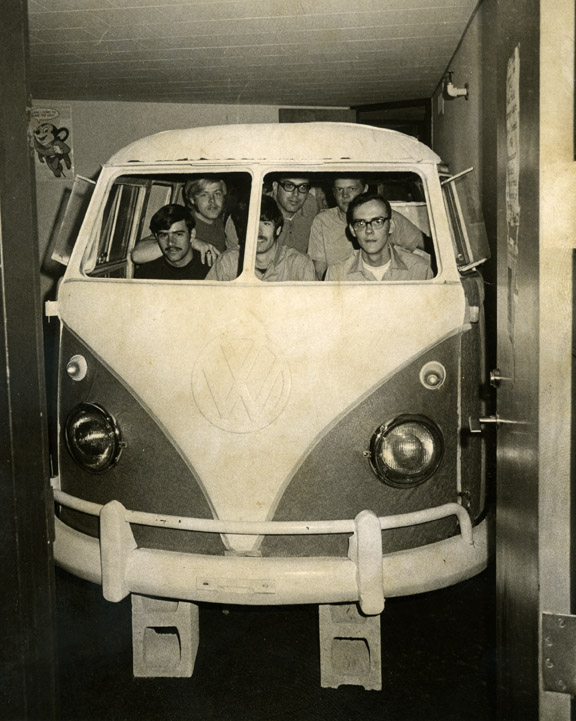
(244, 51)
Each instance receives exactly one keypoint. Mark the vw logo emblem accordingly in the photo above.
(240, 384)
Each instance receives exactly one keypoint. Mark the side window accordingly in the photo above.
(72, 218)
(119, 228)
(466, 221)
(191, 213)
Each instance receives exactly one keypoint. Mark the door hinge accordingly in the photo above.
(559, 652)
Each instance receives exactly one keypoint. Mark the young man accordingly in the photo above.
(298, 207)
(329, 243)
(204, 197)
(274, 262)
(173, 230)
(370, 221)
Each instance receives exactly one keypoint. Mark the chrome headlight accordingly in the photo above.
(93, 437)
(406, 451)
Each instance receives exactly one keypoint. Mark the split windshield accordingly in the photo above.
(293, 226)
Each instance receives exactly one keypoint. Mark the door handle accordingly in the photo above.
(496, 378)
(475, 424)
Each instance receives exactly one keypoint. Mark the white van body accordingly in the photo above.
(246, 416)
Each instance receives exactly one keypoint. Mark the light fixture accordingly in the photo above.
(451, 91)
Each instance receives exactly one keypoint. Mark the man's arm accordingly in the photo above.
(331, 274)
(225, 267)
(316, 248)
(300, 267)
(208, 252)
(146, 250)
(320, 268)
(308, 272)
(405, 233)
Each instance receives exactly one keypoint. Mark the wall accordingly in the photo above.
(557, 242)
(100, 128)
(456, 122)
(464, 132)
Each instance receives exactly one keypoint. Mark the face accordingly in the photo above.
(175, 243)
(45, 134)
(267, 234)
(208, 203)
(372, 240)
(290, 200)
(345, 190)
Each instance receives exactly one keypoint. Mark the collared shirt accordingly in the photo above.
(330, 244)
(296, 230)
(404, 265)
(288, 264)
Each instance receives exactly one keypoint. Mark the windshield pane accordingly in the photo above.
(194, 227)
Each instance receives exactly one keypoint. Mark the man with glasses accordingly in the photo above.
(369, 218)
(329, 243)
(299, 208)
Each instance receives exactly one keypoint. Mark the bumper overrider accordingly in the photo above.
(366, 576)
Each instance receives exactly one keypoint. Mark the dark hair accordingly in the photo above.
(165, 218)
(362, 199)
(270, 211)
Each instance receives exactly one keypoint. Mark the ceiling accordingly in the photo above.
(268, 52)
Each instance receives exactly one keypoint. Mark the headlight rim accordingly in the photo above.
(118, 443)
(396, 479)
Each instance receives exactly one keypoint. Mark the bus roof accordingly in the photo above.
(279, 142)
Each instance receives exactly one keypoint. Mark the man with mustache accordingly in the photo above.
(274, 262)
(173, 230)
(204, 197)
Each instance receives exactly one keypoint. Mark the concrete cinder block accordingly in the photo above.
(165, 637)
(350, 651)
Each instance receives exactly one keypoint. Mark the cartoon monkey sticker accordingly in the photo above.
(50, 145)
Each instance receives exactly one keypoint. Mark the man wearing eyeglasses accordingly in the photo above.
(329, 243)
(369, 218)
(299, 208)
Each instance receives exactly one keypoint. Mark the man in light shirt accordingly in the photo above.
(369, 219)
(329, 243)
(299, 208)
(274, 262)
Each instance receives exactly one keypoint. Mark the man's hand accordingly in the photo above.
(208, 252)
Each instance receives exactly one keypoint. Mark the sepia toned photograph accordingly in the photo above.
(287, 360)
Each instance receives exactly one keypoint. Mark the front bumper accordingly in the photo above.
(366, 576)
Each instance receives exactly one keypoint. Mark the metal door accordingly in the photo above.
(517, 358)
(534, 396)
